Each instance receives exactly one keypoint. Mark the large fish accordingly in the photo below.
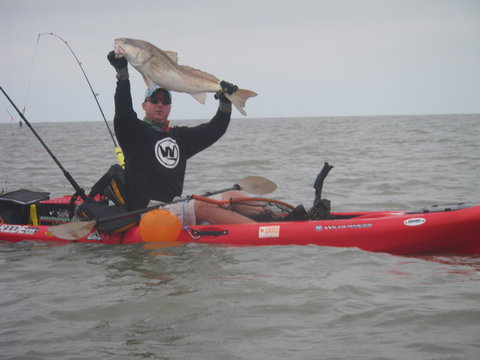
(161, 68)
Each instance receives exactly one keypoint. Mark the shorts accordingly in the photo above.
(184, 210)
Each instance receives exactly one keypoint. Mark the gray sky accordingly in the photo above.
(303, 58)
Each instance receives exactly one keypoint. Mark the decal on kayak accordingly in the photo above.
(341, 227)
(94, 236)
(167, 152)
(269, 231)
(415, 221)
(18, 229)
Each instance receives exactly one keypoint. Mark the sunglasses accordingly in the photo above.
(156, 100)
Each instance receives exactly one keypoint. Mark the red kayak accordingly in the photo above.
(436, 230)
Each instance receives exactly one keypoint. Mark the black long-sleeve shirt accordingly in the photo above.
(155, 161)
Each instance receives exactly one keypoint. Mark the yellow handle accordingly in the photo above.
(120, 157)
(33, 215)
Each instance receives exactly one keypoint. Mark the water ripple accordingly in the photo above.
(83, 301)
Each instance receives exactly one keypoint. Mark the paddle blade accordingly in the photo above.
(160, 225)
(73, 230)
(257, 185)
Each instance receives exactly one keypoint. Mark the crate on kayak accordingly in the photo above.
(56, 211)
(19, 206)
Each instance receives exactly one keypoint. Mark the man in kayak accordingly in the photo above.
(156, 154)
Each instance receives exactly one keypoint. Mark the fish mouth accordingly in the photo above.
(118, 50)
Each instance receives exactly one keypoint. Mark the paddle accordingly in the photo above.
(76, 230)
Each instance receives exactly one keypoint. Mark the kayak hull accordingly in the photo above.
(442, 231)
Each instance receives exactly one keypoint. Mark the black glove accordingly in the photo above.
(117, 63)
(227, 88)
(120, 64)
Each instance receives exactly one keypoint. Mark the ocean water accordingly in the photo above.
(85, 301)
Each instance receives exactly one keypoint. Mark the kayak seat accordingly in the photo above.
(112, 185)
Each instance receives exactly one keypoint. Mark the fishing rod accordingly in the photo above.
(118, 151)
(69, 177)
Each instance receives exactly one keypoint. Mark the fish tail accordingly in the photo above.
(239, 97)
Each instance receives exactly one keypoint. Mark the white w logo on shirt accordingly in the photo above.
(167, 152)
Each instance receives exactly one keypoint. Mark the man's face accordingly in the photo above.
(155, 108)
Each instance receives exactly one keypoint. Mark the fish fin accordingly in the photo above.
(172, 55)
(150, 84)
(200, 97)
(199, 73)
(239, 97)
